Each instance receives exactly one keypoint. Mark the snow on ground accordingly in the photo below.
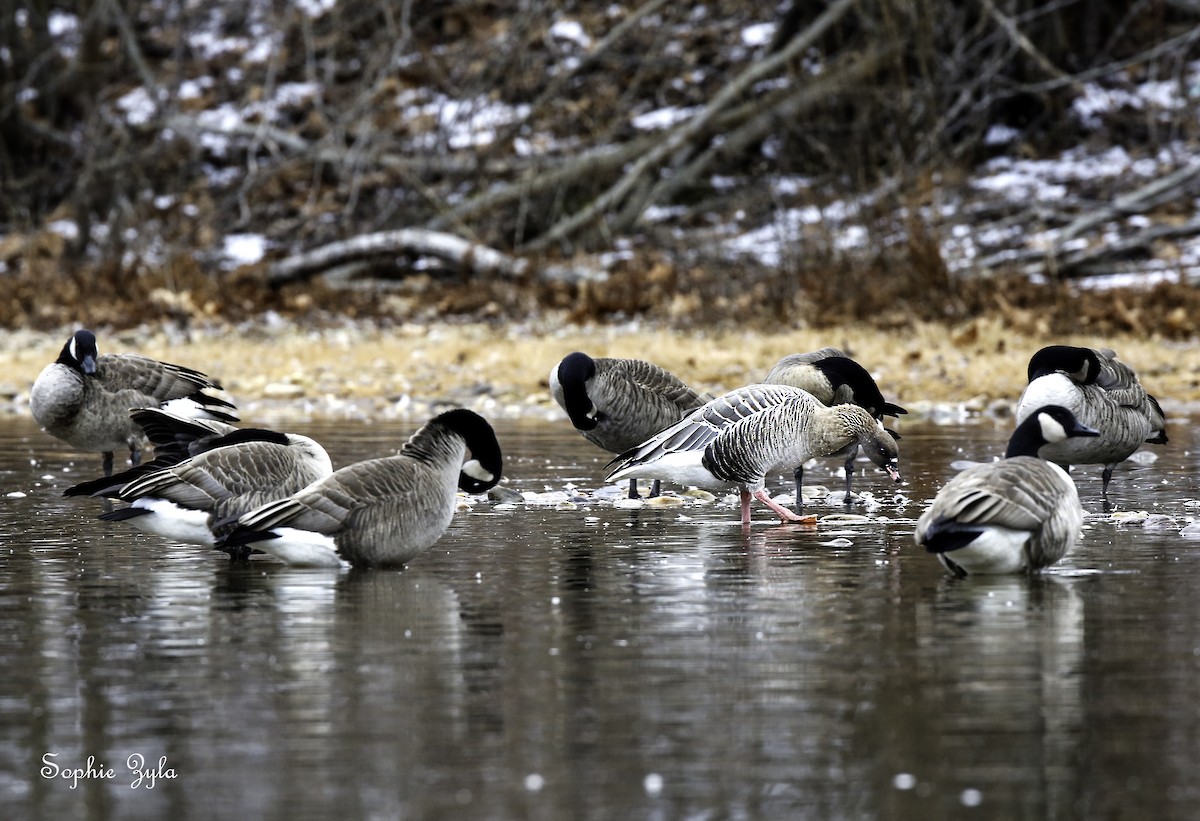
(1070, 184)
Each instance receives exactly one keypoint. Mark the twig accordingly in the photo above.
(734, 142)
(1022, 42)
(1135, 202)
(553, 89)
(678, 137)
(1141, 240)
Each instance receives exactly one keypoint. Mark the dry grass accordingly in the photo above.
(979, 363)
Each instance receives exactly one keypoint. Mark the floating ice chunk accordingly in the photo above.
(629, 503)
(1192, 531)
(552, 497)
(840, 542)
(1144, 457)
(1127, 517)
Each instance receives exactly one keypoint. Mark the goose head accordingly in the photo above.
(874, 439)
(1047, 425)
(573, 374)
(482, 471)
(851, 382)
(80, 352)
(1081, 365)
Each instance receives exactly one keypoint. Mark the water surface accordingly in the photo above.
(584, 661)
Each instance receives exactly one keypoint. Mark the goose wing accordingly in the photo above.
(1122, 386)
(659, 381)
(703, 425)
(180, 435)
(161, 380)
(253, 471)
(1020, 493)
(328, 505)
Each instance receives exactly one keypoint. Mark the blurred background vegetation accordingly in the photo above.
(606, 152)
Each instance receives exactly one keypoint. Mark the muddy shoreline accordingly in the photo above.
(277, 371)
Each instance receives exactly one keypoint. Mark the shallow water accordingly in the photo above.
(584, 661)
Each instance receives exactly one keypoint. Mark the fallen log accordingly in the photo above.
(469, 256)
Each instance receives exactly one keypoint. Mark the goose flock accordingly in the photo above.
(246, 490)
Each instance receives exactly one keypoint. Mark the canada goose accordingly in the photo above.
(1019, 514)
(235, 473)
(1103, 393)
(381, 512)
(834, 379)
(619, 403)
(738, 438)
(174, 437)
(84, 399)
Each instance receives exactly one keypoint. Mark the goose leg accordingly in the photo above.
(135, 456)
(107, 462)
(849, 475)
(782, 512)
(799, 477)
(1106, 476)
(745, 496)
(633, 494)
(655, 488)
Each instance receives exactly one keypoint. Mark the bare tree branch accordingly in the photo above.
(678, 137)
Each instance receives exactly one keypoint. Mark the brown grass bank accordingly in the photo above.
(283, 371)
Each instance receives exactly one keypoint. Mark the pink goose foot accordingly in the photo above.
(782, 512)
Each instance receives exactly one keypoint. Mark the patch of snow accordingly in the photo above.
(1000, 135)
(661, 213)
(193, 89)
(850, 237)
(138, 106)
(315, 8)
(1138, 279)
(244, 249)
(759, 34)
(571, 31)
(662, 118)
(60, 24)
(210, 46)
(790, 186)
(67, 229)
(260, 52)
(462, 123)
(1020, 185)
(295, 93)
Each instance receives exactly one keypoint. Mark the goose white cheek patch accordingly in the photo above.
(1052, 431)
(475, 470)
